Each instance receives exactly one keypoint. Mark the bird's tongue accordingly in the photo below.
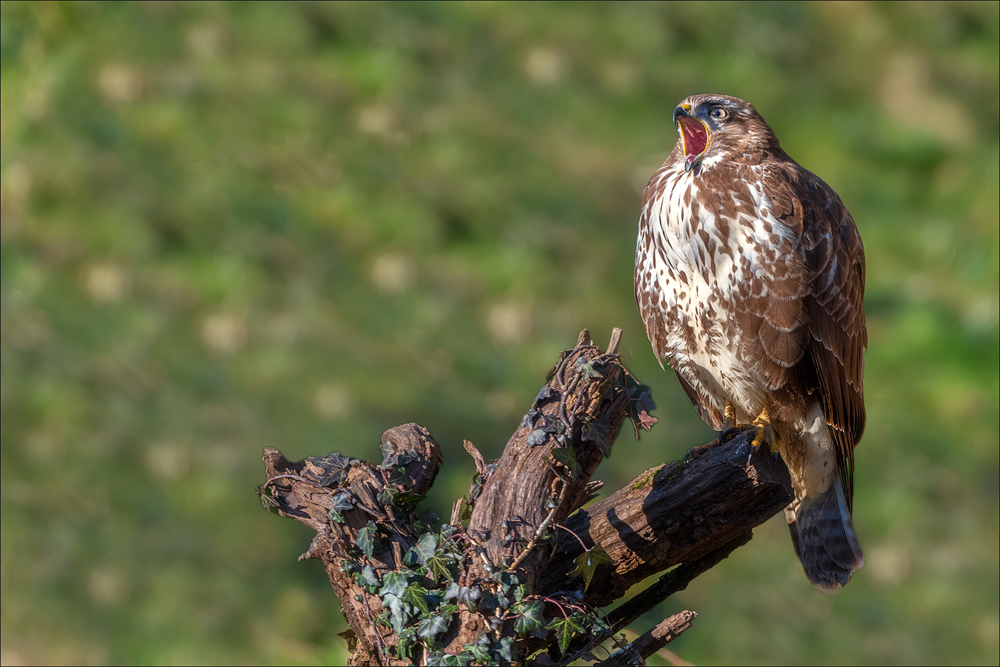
(695, 137)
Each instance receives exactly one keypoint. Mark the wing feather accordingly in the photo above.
(838, 337)
(711, 417)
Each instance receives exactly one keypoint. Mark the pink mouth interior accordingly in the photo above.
(695, 137)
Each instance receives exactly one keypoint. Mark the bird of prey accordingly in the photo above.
(750, 278)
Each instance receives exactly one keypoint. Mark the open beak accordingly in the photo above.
(694, 135)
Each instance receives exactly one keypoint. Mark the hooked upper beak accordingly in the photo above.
(682, 110)
(694, 135)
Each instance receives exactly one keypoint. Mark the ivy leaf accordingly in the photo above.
(440, 658)
(547, 424)
(393, 583)
(405, 642)
(469, 596)
(567, 457)
(645, 420)
(416, 596)
(551, 424)
(565, 629)
(598, 626)
(407, 500)
(477, 488)
(395, 474)
(426, 547)
(507, 581)
(433, 598)
(329, 471)
(543, 394)
(586, 369)
(529, 419)
(398, 613)
(644, 403)
(399, 458)
(386, 497)
(597, 433)
(465, 513)
(537, 437)
(387, 448)
(462, 594)
(437, 569)
(587, 563)
(267, 500)
(410, 557)
(451, 592)
(503, 648)
(368, 578)
(429, 627)
(480, 653)
(341, 503)
(640, 407)
(531, 619)
(366, 539)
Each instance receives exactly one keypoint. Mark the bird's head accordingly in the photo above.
(714, 128)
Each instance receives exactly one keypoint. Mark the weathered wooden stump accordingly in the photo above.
(523, 570)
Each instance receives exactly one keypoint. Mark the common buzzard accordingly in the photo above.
(750, 278)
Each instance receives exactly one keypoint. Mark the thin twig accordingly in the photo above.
(616, 336)
(582, 545)
(652, 641)
(556, 603)
(541, 528)
(456, 511)
(295, 477)
(378, 635)
(476, 457)
(672, 582)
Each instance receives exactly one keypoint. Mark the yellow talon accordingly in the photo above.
(765, 433)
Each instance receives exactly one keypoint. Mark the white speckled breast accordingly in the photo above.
(706, 257)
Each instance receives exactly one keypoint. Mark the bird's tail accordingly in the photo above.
(824, 539)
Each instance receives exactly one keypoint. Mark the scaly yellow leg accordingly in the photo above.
(729, 417)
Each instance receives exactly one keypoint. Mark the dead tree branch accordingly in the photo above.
(652, 641)
(502, 582)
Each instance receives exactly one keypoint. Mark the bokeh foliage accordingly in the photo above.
(231, 226)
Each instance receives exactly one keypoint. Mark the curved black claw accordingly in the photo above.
(727, 434)
(698, 450)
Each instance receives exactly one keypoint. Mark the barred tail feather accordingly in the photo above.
(824, 540)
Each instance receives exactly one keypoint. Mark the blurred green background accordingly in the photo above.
(232, 226)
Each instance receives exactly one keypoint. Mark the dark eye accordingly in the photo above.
(718, 113)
